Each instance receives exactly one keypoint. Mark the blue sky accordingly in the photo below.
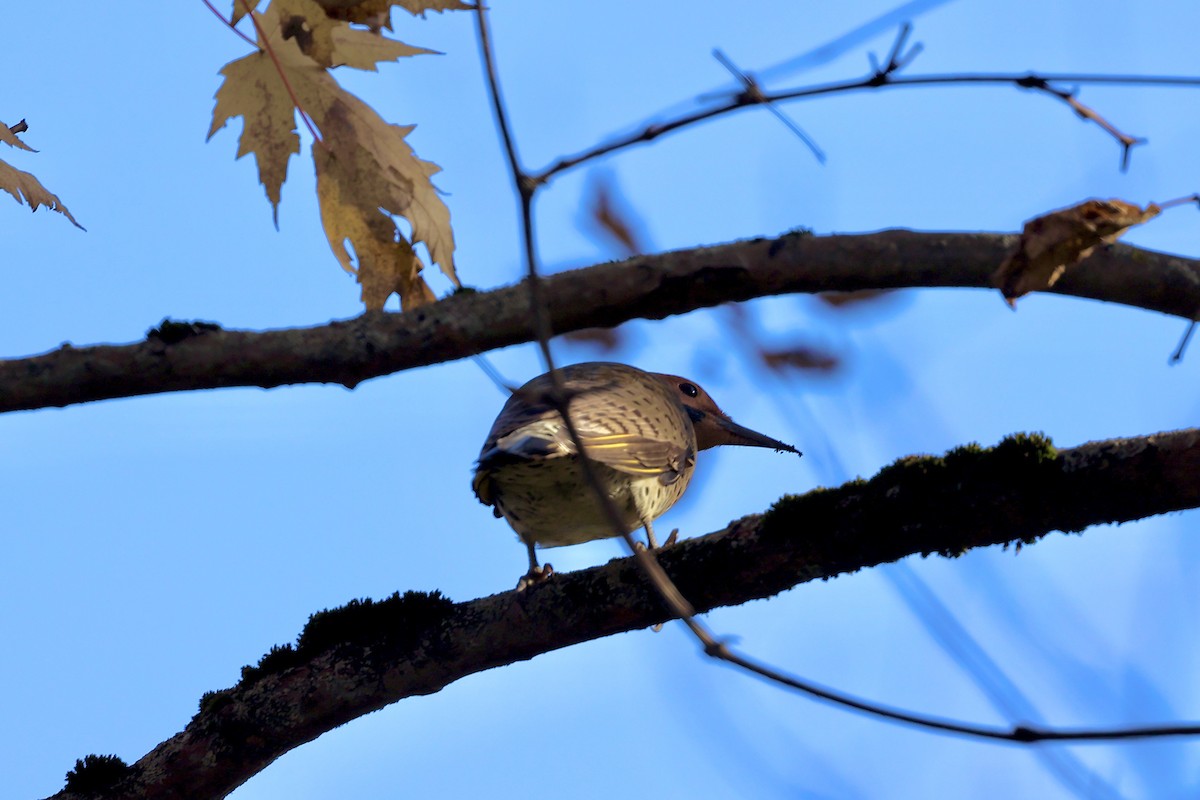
(154, 545)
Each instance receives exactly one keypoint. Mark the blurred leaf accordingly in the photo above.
(848, 299)
(1052, 242)
(609, 216)
(801, 358)
(606, 340)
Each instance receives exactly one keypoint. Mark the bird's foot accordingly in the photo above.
(535, 576)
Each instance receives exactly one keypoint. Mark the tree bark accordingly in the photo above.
(1014, 493)
(190, 356)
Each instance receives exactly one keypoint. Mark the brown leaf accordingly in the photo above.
(386, 261)
(388, 175)
(800, 358)
(9, 136)
(239, 9)
(362, 49)
(255, 90)
(847, 299)
(607, 340)
(365, 169)
(376, 14)
(1053, 242)
(610, 216)
(29, 190)
(332, 42)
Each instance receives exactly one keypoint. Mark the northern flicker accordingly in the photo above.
(642, 431)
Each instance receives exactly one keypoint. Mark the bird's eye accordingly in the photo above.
(690, 389)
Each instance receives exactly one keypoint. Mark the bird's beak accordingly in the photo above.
(713, 430)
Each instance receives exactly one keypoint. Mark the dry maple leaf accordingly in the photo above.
(254, 91)
(606, 340)
(241, 8)
(802, 358)
(386, 261)
(333, 43)
(9, 136)
(365, 169)
(850, 299)
(377, 13)
(24, 187)
(610, 215)
(1053, 242)
(376, 162)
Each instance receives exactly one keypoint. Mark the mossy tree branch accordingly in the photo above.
(189, 356)
(355, 660)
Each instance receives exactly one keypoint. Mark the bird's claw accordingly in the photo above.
(535, 576)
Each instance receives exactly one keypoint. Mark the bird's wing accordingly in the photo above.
(547, 438)
(638, 455)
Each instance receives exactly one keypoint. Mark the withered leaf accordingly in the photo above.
(610, 216)
(1053, 242)
(800, 358)
(9, 136)
(24, 187)
(606, 340)
(332, 42)
(377, 13)
(386, 261)
(29, 190)
(847, 299)
(365, 169)
(241, 7)
(255, 90)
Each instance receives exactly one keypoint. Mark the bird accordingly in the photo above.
(641, 431)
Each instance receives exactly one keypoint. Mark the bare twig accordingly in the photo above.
(750, 86)
(896, 61)
(1022, 734)
(20, 127)
(1179, 201)
(881, 76)
(1084, 112)
(1177, 356)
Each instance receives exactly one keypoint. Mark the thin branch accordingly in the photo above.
(878, 79)
(229, 23)
(1177, 356)
(1021, 734)
(750, 86)
(184, 357)
(1013, 494)
(1084, 112)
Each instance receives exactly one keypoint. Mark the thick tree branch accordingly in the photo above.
(1016, 493)
(202, 356)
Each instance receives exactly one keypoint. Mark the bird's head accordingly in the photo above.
(713, 426)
